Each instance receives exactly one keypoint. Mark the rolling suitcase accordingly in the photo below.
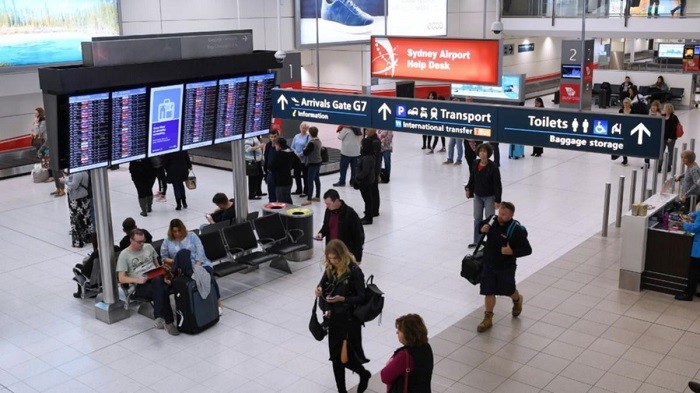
(516, 151)
(194, 314)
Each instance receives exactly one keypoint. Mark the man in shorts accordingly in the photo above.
(506, 240)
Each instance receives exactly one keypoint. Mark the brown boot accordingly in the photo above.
(486, 323)
(518, 306)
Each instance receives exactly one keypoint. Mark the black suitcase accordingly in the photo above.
(194, 314)
(603, 98)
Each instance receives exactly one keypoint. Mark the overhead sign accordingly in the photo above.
(526, 47)
(630, 135)
(434, 117)
(439, 59)
(321, 107)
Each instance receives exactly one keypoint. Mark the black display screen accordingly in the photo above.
(88, 131)
(231, 106)
(259, 110)
(129, 125)
(200, 114)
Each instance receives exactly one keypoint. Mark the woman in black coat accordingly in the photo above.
(668, 113)
(280, 166)
(143, 174)
(177, 167)
(341, 289)
(366, 178)
(412, 364)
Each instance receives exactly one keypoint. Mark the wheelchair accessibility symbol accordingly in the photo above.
(166, 110)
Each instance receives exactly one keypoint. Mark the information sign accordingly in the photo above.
(321, 107)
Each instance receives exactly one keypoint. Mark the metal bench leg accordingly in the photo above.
(280, 263)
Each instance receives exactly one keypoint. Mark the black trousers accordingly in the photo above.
(254, 185)
(300, 177)
(693, 275)
(366, 192)
(375, 198)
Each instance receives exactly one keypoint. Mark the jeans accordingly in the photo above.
(157, 290)
(271, 188)
(313, 176)
(284, 194)
(386, 157)
(346, 161)
(455, 143)
(483, 208)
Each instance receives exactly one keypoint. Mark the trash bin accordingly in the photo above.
(295, 217)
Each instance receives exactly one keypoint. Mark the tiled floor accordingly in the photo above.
(578, 332)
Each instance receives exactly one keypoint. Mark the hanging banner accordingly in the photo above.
(437, 59)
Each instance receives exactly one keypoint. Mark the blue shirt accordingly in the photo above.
(190, 242)
(299, 143)
(694, 227)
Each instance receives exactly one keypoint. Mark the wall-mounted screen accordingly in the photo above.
(38, 32)
(200, 114)
(165, 120)
(671, 51)
(259, 104)
(88, 131)
(129, 122)
(511, 89)
(420, 18)
(571, 71)
(231, 106)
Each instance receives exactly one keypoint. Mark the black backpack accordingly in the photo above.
(373, 304)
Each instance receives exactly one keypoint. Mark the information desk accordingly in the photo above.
(654, 258)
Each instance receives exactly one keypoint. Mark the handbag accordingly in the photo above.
(316, 328)
(679, 130)
(373, 303)
(253, 168)
(191, 182)
(37, 141)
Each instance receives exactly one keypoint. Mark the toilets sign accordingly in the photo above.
(629, 135)
(321, 107)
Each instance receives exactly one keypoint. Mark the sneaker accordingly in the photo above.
(346, 16)
(172, 329)
(221, 311)
(448, 161)
(159, 323)
(458, 162)
(518, 306)
(443, 150)
(306, 203)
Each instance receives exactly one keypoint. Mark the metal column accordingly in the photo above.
(654, 176)
(645, 173)
(620, 197)
(108, 308)
(633, 185)
(240, 188)
(673, 169)
(606, 210)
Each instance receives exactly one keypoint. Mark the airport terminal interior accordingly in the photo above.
(578, 331)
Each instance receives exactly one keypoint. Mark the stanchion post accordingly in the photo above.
(606, 210)
(633, 185)
(693, 200)
(654, 176)
(648, 194)
(692, 144)
(673, 169)
(620, 197)
(664, 165)
(684, 147)
(643, 191)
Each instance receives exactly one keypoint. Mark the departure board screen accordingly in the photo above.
(259, 104)
(165, 120)
(231, 105)
(200, 114)
(129, 122)
(88, 129)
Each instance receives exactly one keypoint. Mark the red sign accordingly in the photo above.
(569, 93)
(438, 59)
(588, 73)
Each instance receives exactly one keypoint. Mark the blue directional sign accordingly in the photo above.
(629, 135)
(435, 117)
(321, 107)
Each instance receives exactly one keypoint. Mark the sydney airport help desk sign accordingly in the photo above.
(631, 135)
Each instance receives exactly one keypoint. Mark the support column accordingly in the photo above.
(108, 308)
(240, 186)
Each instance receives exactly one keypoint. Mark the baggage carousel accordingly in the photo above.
(219, 156)
(17, 162)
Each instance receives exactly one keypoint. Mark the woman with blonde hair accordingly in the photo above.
(341, 289)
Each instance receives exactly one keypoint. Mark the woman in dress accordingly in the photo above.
(79, 204)
(342, 287)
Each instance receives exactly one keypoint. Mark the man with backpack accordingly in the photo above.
(506, 240)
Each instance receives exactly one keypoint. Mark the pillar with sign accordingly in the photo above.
(576, 84)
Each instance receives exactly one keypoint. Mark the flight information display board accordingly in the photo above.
(129, 122)
(165, 119)
(259, 111)
(88, 131)
(200, 114)
(231, 106)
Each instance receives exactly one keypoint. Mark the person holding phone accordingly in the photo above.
(341, 289)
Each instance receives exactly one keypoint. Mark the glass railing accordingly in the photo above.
(598, 8)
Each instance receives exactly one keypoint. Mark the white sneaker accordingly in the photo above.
(221, 311)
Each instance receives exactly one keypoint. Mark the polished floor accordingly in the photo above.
(577, 332)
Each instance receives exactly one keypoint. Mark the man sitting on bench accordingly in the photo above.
(132, 265)
(225, 209)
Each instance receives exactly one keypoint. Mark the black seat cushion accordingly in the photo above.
(285, 248)
(226, 268)
(255, 258)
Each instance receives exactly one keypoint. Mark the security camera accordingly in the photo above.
(497, 27)
(280, 55)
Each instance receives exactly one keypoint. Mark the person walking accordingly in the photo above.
(312, 153)
(506, 240)
(366, 178)
(350, 138)
(143, 175)
(410, 368)
(387, 142)
(177, 166)
(340, 221)
(39, 130)
(157, 163)
(341, 289)
(371, 134)
(485, 187)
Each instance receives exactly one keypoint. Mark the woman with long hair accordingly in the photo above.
(341, 289)
(410, 369)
